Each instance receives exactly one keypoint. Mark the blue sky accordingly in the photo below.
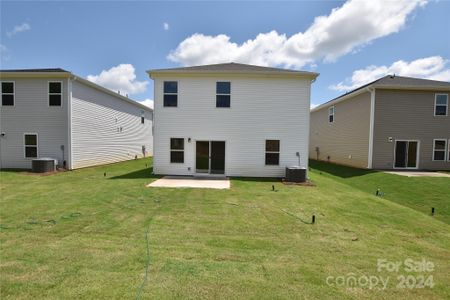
(355, 43)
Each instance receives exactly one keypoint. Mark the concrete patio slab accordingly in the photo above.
(419, 173)
(191, 182)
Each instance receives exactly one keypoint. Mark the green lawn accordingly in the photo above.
(80, 235)
(419, 193)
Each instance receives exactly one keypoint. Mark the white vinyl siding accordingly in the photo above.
(31, 114)
(106, 129)
(263, 108)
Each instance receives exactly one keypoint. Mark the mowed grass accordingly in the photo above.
(419, 193)
(81, 235)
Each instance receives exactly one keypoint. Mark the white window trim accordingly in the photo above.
(329, 114)
(265, 151)
(218, 94)
(435, 104)
(13, 93)
(448, 150)
(164, 93)
(25, 146)
(48, 93)
(445, 149)
(176, 150)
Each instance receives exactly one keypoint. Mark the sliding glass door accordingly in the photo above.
(210, 157)
(406, 154)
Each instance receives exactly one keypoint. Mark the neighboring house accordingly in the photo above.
(231, 119)
(391, 123)
(54, 113)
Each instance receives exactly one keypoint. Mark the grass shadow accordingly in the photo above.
(338, 170)
(146, 173)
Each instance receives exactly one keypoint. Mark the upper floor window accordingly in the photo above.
(439, 149)
(31, 145)
(142, 117)
(170, 93)
(272, 152)
(55, 93)
(223, 91)
(7, 93)
(440, 104)
(331, 111)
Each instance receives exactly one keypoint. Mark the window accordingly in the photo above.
(142, 117)
(8, 93)
(170, 94)
(272, 152)
(54, 93)
(440, 104)
(176, 150)
(31, 145)
(331, 114)
(223, 91)
(448, 150)
(439, 149)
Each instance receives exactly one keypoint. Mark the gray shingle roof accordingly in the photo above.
(51, 70)
(400, 81)
(392, 82)
(231, 68)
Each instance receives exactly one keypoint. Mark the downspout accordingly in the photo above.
(371, 128)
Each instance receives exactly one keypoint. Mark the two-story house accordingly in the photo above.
(391, 123)
(231, 119)
(54, 113)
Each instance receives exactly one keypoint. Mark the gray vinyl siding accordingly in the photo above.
(261, 108)
(31, 113)
(96, 121)
(346, 140)
(407, 115)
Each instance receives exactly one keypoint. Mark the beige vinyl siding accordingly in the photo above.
(261, 108)
(31, 113)
(407, 115)
(96, 121)
(346, 140)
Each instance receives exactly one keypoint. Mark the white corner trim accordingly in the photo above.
(371, 128)
(69, 125)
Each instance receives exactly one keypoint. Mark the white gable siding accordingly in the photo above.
(96, 121)
(32, 114)
(261, 108)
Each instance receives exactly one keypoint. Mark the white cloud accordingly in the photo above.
(346, 29)
(312, 105)
(4, 53)
(148, 103)
(433, 67)
(120, 78)
(18, 28)
(166, 26)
